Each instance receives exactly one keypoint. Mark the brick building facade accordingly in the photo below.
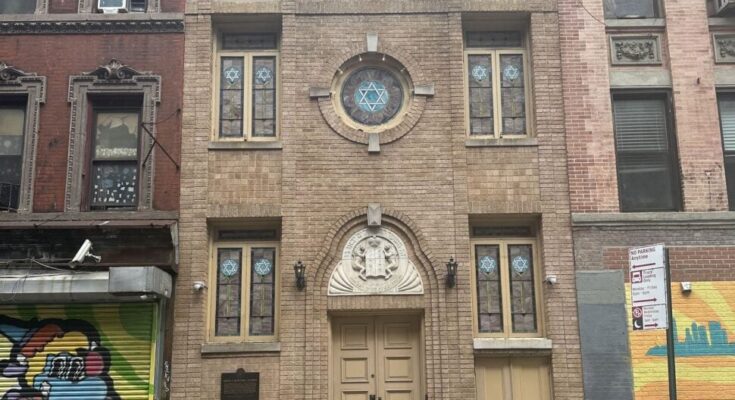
(90, 124)
(373, 142)
(647, 108)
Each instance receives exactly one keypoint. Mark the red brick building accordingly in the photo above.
(649, 123)
(90, 122)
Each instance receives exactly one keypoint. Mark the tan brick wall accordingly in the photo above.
(319, 184)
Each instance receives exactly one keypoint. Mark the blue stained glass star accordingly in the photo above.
(520, 264)
(371, 96)
(480, 72)
(263, 75)
(232, 74)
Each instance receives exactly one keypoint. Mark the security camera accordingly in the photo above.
(199, 285)
(550, 279)
(83, 253)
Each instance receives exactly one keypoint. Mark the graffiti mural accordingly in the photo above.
(81, 352)
(704, 326)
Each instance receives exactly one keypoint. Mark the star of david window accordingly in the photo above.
(247, 86)
(372, 96)
(372, 92)
(497, 90)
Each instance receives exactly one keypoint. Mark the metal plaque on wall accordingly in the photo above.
(240, 385)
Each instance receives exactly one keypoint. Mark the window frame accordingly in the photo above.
(8, 103)
(505, 291)
(729, 191)
(96, 110)
(247, 120)
(245, 247)
(495, 53)
(658, 11)
(674, 158)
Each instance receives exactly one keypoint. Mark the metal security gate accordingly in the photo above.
(78, 351)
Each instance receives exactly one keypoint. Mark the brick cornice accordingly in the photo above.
(85, 26)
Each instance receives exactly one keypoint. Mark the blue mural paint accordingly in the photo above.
(699, 341)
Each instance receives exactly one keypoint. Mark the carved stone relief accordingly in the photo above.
(375, 262)
(16, 81)
(114, 78)
(635, 50)
(724, 48)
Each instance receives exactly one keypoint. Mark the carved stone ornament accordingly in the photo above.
(725, 48)
(34, 27)
(8, 73)
(635, 50)
(114, 70)
(375, 262)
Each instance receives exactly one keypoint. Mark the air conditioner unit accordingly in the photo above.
(113, 6)
(724, 7)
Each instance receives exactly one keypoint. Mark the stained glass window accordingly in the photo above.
(372, 96)
(522, 292)
(489, 299)
(480, 77)
(229, 291)
(114, 173)
(262, 291)
(513, 94)
(231, 97)
(496, 80)
(264, 96)
(12, 123)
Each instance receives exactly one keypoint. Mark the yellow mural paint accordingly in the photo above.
(705, 346)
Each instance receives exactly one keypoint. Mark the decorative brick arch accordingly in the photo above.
(414, 75)
(318, 305)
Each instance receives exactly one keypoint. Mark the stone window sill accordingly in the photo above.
(502, 142)
(533, 344)
(642, 23)
(239, 348)
(273, 145)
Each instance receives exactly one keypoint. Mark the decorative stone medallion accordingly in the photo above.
(635, 50)
(372, 96)
(375, 262)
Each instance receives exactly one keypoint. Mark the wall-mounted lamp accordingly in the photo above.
(451, 272)
(299, 270)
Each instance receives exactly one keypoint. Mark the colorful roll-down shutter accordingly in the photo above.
(78, 351)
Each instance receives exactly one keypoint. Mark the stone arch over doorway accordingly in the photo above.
(319, 306)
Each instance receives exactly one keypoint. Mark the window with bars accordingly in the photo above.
(647, 162)
(506, 284)
(244, 302)
(496, 84)
(727, 125)
(615, 9)
(12, 134)
(248, 87)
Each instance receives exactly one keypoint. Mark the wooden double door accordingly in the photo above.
(376, 358)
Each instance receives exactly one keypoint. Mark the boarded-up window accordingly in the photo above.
(727, 123)
(648, 177)
(631, 9)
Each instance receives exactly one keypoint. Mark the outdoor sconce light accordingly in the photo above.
(299, 270)
(451, 272)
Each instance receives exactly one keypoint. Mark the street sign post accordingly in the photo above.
(648, 287)
(650, 277)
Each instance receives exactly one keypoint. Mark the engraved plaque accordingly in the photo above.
(240, 385)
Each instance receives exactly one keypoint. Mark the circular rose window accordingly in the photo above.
(372, 96)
